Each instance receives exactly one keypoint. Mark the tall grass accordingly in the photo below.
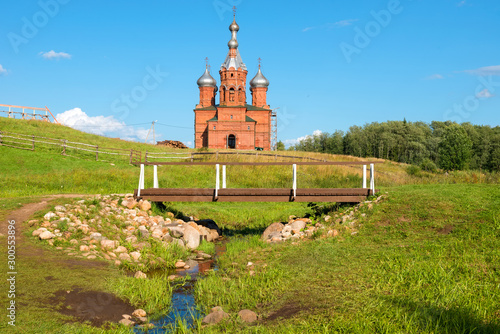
(153, 294)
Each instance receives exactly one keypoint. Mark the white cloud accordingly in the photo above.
(290, 142)
(77, 119)
(485, 71)
(345, 23)
(2, 70)
(338, 24)
(484, 94)
(103, 126)
(434, 77)
(55, 55)
(462, 3)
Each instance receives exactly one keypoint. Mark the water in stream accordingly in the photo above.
(183, 307)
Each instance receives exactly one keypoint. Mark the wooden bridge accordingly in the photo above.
(222, 194)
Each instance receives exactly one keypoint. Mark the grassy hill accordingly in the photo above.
(46, 171)
(425, 260)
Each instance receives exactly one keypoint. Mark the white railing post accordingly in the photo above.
(217, 180)
(372, 178)
(224, 177)
(294, 181)
(155, 183)
(364, 176)
(141, 181)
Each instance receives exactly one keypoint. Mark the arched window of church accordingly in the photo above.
(231, 95)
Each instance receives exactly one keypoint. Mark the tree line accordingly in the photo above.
(447, 145)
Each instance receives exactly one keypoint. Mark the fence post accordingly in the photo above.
(97, 153)
(372, 178)
(146, 157)
(217, 156)
(155, 182)
(223, 176)
(217, 181)
(191, 156)
(64, 147)
(0, 137)
(141, 181)
(294, 181)
(364, 176)
(33, 145)
(130, 160)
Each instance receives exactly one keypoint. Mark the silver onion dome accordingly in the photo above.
(206, 80)
(233, 43)
(259, 80)
(234, 26)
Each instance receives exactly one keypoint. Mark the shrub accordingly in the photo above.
(413, 170)
(428, 165)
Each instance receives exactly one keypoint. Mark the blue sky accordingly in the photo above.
(113, 67)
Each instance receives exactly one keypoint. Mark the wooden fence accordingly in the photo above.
(192, 156)
(28, 112)
(67, 148)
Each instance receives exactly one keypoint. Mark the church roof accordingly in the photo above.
(234, 62)
(231, 60)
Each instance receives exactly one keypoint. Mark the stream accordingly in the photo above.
(183, 307)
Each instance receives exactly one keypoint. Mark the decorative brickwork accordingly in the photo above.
(233, 123)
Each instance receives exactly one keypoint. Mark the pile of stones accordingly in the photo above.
(303, 228)
(117, 227)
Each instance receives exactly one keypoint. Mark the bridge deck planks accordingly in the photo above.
(339, 195)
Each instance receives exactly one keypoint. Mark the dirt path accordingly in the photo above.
(95, 306)
(23, 214)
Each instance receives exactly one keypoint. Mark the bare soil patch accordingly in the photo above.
(93, 306)
(287, 311)
(446, 230)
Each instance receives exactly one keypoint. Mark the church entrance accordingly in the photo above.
(231, 141)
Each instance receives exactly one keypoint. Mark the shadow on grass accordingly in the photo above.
(161, 208)
(443, 320)
(242, 231)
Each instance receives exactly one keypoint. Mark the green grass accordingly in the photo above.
(39, 278)
(400, 274)
(423, 261)
(153, 294)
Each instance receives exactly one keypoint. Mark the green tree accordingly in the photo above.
(455, 148)
(280, 146)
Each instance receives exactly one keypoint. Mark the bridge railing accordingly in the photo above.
(294, 165)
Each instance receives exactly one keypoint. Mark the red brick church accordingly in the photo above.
(233, 123)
